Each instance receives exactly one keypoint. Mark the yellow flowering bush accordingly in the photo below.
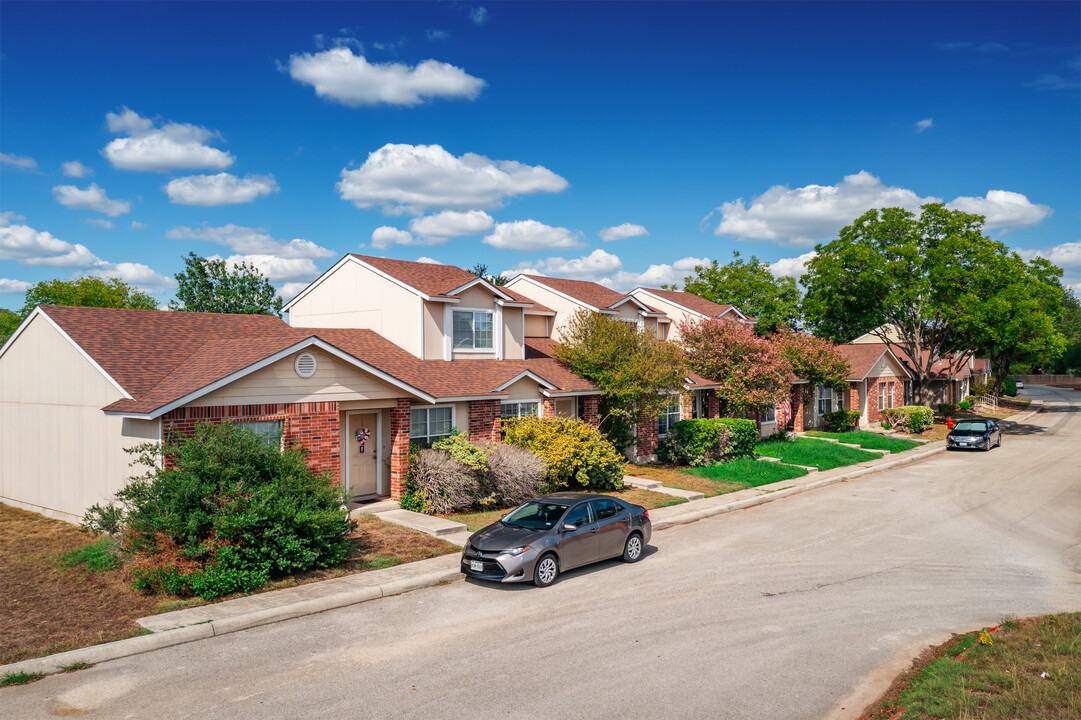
(576, 454)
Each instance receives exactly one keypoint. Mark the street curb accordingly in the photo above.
(190, 633)
(669, 517)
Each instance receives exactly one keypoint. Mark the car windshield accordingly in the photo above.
(535, 515)
(970, 426)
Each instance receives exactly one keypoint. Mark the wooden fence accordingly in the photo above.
(1071, 380)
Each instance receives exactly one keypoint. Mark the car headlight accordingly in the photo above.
(516, 551)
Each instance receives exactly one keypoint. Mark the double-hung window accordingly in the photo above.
(670, 415)
(768, 415)
(885, 395)
(269, 431)
(825, 399)
(518, 409)
(428, 424)
(473, 330)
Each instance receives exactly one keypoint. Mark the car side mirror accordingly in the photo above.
(567, 527)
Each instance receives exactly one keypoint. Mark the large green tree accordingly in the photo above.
(634, 370)
(1069, 325)
(751, 287)
(902, 277)
(210, 285)
(81, 292)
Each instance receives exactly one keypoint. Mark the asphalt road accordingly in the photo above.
(801, 608)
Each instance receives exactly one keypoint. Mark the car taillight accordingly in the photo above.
(645, 513)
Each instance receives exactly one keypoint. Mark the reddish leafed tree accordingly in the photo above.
(813, 359)
(752, 371)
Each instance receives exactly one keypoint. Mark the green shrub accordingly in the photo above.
(459, 447)
(694, 443)
(1009, 386)
(226, 513)
(965, 405)
(842, 420)
(979, 389)
(946, 409)
(576, 454)
(742, 436)
(910, 418)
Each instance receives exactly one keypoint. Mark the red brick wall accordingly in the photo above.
(315, 426)
(593, 403)
(875, 415)
(399, 447)
(484, 420)
(797, 408)
(646, 443)
(852, 402)
(548, 408)
(686, 405)
(713, 404)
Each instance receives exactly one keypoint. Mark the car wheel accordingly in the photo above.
(632, 550)
(546, 571)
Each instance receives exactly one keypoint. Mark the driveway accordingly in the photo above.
(800, 608)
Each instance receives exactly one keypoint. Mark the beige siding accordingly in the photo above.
(355, 297)
(567, 408)
(513, 339)
(536, 326)
(477, 297)
(886, 367)
(674, 312)
(334, 379)
(524, 389)
(59, 453)
(433, 330)
(891, 333)
(564, 308)
(472, 356)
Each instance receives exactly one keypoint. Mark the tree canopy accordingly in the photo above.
(634, 370)
(813, 359)
(210, 285)
(920, 275)
(751, 287)
(1069, 325)
(80, 292)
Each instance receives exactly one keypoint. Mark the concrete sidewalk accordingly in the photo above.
(183, 626)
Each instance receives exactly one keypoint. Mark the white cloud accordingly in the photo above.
(28, 246)
(14, 286)
(924, 124)
(450, 223)
(413, 179)
(172, 146)
(434, 34)
(1067, 256)
(531, 235)
(274, 268)
(220, 189)
(1002, 209)
(597, 266)
(7, 218)
(136, 225)
(385, 236)
(478, 15)
(350, 79)
(100, 222)
(792, 267)
(93, 198)
(657, 275)
(21, 162)
(808, 214)
(428, 260)
(252, 241)
(76, 169)
(290, 290)
(621, 232)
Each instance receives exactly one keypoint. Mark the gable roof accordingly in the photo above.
(588, 293)
(862, 357)
(695, 304)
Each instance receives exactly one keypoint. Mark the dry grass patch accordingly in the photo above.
(47, 607)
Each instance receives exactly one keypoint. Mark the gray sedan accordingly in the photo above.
(551, 534)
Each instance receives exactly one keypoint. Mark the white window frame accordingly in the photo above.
(823, 397)
(248, 424)
(664, 419)
(519, 404)
(768, 416)
(474, 349)
(882, 395)
(427, 423)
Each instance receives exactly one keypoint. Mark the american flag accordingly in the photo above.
(787, 410)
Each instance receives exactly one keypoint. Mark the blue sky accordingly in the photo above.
(614, 142)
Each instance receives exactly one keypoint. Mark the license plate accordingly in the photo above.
(476, 566)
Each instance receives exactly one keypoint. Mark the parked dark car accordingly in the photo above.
(551, 534)
(974, 433)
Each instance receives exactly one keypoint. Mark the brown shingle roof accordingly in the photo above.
(590, 293)
(862, 357)
(692, 302)
(430, 278)
(161, 357)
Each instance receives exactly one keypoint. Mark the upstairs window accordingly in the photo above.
(473, 330)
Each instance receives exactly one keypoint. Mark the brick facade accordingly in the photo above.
(314, 426)
(713, 404)
(399, 447)
(484, 421)
(874, 415)
(592, 410)
(797, 408)
(548, 408)
(645, 446)
(686, 405)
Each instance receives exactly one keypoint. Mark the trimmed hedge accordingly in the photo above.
(913, 418)
(577, 455)
(705, 441)
(842, 420)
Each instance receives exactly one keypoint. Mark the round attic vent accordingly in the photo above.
(305, 365)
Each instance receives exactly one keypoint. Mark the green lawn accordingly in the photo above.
(814, 453)
(869, 440)
(748, 472)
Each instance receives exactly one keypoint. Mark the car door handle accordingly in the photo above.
(594, 530)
